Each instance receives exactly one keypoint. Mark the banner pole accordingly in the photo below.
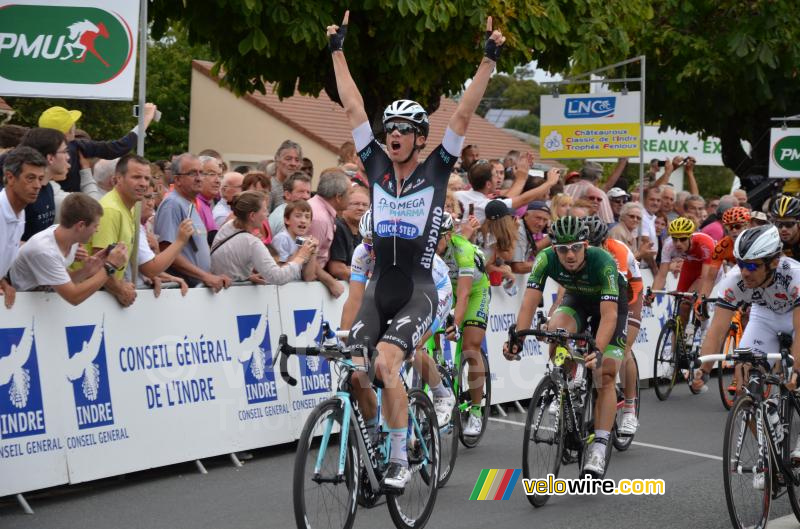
(643, 60)
(142, 74)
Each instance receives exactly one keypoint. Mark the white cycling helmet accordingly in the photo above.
(762, 242)
(365, 225)
(447, 223)
(409, 111)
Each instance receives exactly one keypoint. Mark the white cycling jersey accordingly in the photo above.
(780, 296)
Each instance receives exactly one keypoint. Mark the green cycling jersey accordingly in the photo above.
(598, 279)
(464, 259)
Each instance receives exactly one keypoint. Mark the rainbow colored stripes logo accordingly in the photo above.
(495, 484)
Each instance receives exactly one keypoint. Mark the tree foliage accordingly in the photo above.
(419, 49)
(724, 68)
(168, 86)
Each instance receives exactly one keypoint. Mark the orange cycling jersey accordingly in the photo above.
(723, 252)
(627, 265)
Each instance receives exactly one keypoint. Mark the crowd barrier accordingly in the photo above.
(96, 390)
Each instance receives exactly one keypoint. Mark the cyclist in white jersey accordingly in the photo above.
(768, 281)
(361, 268)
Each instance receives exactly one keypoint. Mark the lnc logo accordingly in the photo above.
(87, 371)
(589, 107)
(315, 373)
(255, 358)
(21, 407)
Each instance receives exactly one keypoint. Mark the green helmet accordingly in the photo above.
(569, 229)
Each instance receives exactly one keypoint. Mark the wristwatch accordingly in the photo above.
(110, 268)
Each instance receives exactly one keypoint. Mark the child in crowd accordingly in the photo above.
(297, 219)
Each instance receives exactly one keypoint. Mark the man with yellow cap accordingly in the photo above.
(60, 118)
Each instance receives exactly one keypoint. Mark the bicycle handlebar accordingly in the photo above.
(557, 335)
(285, 351)
(743, 356)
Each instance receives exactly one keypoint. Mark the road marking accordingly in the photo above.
(645, 445)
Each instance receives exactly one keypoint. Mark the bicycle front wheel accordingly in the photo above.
(544, 436)
(665, 369)
(726, 373)
(467, 407)
(412, 508)
(791, 437)
(746, 467)
(324, 497)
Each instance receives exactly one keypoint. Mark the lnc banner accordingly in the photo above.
(77, 49)
(590, 125)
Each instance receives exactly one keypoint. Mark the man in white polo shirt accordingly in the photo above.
(23, 169)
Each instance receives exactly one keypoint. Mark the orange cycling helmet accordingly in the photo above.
(736, 215)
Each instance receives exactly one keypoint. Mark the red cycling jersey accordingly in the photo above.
(700, 251)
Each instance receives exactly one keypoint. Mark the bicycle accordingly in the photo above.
(335, 440)
(759, 435)
(674, 355)
(560, 419)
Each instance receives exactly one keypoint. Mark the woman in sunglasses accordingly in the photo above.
(408, 199)
(770, 282)
(594, 291)
(695, 249)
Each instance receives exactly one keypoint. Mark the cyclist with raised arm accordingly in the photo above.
(734, 221)
(593, 293)
(407, 205)
(467, 267)
(628, 267)
(361, 267)
(770, 282)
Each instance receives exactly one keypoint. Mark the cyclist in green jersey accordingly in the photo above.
(594, 294)
(472, 294)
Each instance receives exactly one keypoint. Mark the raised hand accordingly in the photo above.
(494, 42)
(336, 34)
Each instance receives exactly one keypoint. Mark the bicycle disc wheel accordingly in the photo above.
(465, 400)
(544, 436)
(448, 433)
(622, 443)
(322, 498)
(665, 370)
(791, 417)
(413, 507)
(725, 373)
(743, 459)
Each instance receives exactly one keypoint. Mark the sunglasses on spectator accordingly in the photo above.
(149, 196)
(399, 126)
(735, 226)
(594, 199)
(785, 223)
(564, 249)
(619, 200)
(750, 267)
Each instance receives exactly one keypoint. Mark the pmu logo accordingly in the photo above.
(590, 107)
(63, 44)
(315, 373)
(88, 372)
(21, 408)
(255, 357)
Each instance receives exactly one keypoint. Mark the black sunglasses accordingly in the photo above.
(399, 126)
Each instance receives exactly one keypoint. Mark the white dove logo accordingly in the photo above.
(308, 337)
(11, 370)
(82, 365)
(251, 350)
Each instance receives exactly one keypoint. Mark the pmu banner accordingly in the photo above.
(66, 48)
(784, 153)
(590, 125)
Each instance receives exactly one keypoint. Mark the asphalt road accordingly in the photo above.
(679, 441)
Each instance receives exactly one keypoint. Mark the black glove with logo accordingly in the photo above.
(336, 41)
(491, 50)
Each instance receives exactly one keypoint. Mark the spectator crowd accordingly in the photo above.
(80, 215)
